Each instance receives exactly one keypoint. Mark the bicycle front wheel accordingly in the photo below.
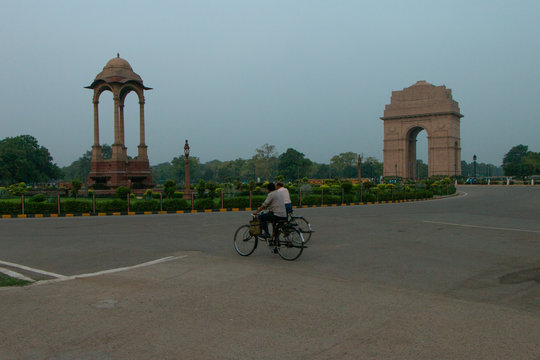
(291, 245)
(304, 226)
(244, 243)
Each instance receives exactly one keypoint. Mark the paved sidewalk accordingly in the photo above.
(206, 307)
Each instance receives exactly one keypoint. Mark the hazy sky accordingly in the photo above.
(232, 75)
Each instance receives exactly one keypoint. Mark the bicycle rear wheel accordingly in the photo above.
(244, 243)
(291, 245)
(304, 226)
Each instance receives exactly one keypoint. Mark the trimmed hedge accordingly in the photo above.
(71, 205)
(76, 206)
(176, 204)
(39, 208)
(243, 201)
(10, 206)
(144, 205)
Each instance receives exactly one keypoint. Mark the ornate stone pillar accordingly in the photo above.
(117, 146)
(96, 148)
(122, 132)
(143, 154)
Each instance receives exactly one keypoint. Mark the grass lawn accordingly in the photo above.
(9, 281)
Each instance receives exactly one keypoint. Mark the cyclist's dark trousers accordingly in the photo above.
(288, 207)
(266, 217)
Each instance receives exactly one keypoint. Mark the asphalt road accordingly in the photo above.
(449, 279)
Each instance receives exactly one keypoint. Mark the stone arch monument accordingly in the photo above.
(118, 78)
(422, 107)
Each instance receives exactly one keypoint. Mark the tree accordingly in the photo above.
(371, 168)
(80, 168)
(162, 172)
(293, 165)
(179, 168)
(22, 159)
(519, 161)
(265, 161)
(76, 185)
(169, 187)
(345, 164)
(320, 171)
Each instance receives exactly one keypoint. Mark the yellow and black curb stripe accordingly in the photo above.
(27, 216)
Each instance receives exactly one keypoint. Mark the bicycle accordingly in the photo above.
(285, 240)
(301, 224)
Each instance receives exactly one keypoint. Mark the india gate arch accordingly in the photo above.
(119, 79)
(422, 106)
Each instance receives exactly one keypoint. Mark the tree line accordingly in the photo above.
(22, 159)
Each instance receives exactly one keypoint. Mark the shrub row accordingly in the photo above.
(139, 205)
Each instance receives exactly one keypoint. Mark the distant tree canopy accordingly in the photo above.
(519, 161)
(80, 168)
(293, 165)
(22, 159)
(266, 165)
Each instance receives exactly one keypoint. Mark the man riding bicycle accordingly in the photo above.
(276, 209)
(285, 195)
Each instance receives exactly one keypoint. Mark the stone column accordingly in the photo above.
(142, 146)
(122, 132)
(359, 168)
(96, 123)
(117, 146)
(96, 148)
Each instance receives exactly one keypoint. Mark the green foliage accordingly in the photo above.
(148, 194)
(176, 204)
(243, 201)
(206, 203)
(162, 172)
(39, 208)
(122, 192)
(76, 206)
(201, 188)
(347, 186)
(22, 159)
(116, 205)
(38, 198)
(345, 165)
(519, 161)
(211, 187)
(80, 168)
(10, 281)
(12, 206)
(17, 189)
(179, 168)
(145, 205)
(169, 187)
(293, 164)
(76, 185)
(264, 162)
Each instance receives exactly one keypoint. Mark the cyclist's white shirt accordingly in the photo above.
(274, 203)
(285, 195)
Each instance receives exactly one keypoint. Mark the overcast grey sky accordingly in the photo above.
(232, 75)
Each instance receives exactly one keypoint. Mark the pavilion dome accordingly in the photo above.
(117, 70)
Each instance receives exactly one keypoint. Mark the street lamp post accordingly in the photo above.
(395, 166)
(474, 166)
(186, 155)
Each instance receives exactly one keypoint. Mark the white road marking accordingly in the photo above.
(72, 277)
(111, 271)
(482, 227)
(37, 271)
(15, 275)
